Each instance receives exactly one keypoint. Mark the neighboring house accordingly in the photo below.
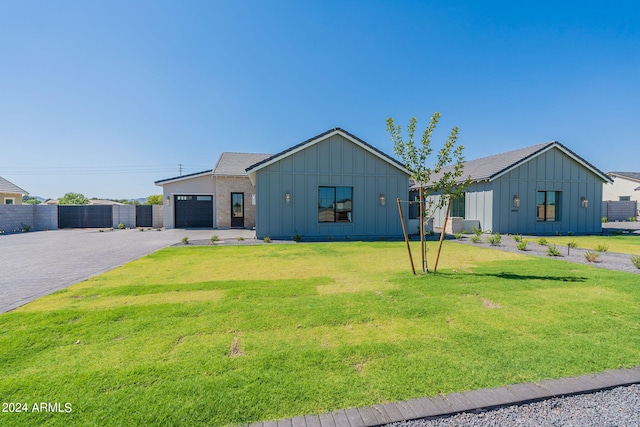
(222, 197)
(10, 194)
(622, 196)
(333, 185)
(624, 188)
(542, 189)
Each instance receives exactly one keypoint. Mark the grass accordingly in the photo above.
(230, 335)
(629, 244)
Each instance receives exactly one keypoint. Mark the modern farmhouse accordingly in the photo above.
(542, 189)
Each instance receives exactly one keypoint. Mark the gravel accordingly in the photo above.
(616, 407)
(608, 260)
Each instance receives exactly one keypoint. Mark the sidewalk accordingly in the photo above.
(469, 401)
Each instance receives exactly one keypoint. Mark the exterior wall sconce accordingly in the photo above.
(383, 200)
(516, 202)
(253, 199)
(287, 198)
(168, 200)
(584, 202)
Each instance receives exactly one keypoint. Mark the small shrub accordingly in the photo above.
(569, 233)
(214, 238)
(517, 238)
(297, 237)
(267, 240)
(185, 240)
(458, 236)
(25, 228)
(240, 239)
(477, 231)
(601, 248)
(121, 226)
(476, 239)
(632, 219)
(522, 245)
(572, 245)
(635, 260)
(101, 230)
(158, 229)
(494, 239)
(140, 229)
(591, 256)
(553, 251)
(542, 241)
(605, 219)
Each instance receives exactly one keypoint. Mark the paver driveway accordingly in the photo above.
(39, 263)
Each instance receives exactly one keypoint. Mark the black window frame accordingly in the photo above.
(546, 204)
(329, 198)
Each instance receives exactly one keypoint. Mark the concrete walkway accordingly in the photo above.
(469, 401)
(39, 263)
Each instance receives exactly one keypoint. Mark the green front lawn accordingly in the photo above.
(230, 335)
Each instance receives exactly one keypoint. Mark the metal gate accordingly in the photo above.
(144, 216)
(85, 216)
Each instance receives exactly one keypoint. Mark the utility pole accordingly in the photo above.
(180, 168)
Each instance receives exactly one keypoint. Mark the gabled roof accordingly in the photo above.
(631, 176)
(236, 164)
(228, 164)
(493, 167)
(180, 178)
(9, 187)
(251, 170)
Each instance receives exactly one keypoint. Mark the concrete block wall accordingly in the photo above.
(11, 216)
(124, 214)
(39, 217)
(45, 217)
(158, 216)
(619, 211)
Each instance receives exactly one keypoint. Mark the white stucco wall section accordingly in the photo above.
(621, 187)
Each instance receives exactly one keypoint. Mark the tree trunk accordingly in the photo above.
(406, 236)
(423, 250)
(444, 227)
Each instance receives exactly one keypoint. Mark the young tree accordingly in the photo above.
(73, 199)
(415, 160)
(449, 183)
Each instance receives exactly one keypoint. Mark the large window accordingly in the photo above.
(334, 204)
(458, 207)
(548, 204)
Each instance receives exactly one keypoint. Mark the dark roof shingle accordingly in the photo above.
(490, 167)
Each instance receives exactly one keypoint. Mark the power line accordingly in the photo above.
(100, 170)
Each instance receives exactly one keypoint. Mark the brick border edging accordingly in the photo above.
(454, 403)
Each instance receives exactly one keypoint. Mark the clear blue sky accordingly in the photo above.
(106, 97)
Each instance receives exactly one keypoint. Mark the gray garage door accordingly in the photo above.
(194, 211)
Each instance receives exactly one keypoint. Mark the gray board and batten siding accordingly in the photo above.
(332, 159)
(549, 167)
